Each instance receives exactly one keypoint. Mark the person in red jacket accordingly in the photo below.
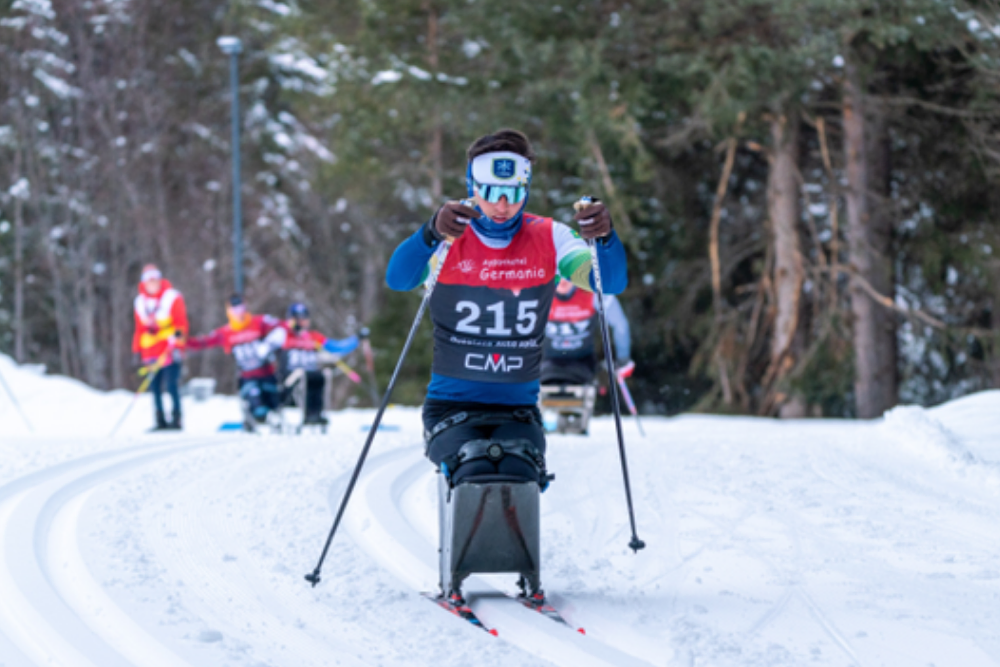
(301, 353)
(161, 329)
(252, 340)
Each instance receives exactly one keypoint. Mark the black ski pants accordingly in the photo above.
(569, 371)
(315, 383)
(261, 395)
(482, 422)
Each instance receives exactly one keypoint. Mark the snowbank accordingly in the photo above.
(960, 436)
(55, 405)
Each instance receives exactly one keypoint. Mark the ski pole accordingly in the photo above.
(627, 395)
(635, 543)
(17, 405)
(366, 348)
(150, 372)
(348, 371)
(314, 577)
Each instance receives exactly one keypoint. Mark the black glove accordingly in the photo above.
(451, 220)
(364, 333)
(152, 329)
(594, 220)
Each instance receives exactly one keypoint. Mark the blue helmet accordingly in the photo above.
(298, 311)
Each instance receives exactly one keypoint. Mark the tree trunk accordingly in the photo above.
(119, 295)
(18, 268)
(372, 274)
(435, 144)
(869, 241)
(64, 329)
(783, 212)
(86, 313)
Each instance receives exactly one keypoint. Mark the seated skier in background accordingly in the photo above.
(252, 340)
(570, 356)
(491, 304)
(301, 353)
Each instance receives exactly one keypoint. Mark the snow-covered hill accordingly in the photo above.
(816, 542)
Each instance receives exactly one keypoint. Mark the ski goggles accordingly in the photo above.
(515, 194)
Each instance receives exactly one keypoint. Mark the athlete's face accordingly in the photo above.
(564, 287)
(153, 285)
(500, 212)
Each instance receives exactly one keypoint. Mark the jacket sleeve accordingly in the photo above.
(178, 312)
(213, 339)
(574, 260)
(621, 334)
(408, 266)
(342, 346)
(139, 328)
(614, 266)
(276, 337)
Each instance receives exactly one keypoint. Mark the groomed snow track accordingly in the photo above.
(57, 608)
(405, 545)
(52, 611)
(771, 545)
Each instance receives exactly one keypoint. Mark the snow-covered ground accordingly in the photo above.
(814, 542)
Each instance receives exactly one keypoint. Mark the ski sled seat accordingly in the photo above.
(257, 403)
(567, 408)
(489, 519)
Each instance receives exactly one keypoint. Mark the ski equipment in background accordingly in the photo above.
(366, 349)
(150, 372)
(627, 395)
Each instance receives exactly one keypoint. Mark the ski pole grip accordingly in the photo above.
(584, 202)
(464, 202)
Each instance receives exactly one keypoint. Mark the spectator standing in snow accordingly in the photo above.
(161, 330)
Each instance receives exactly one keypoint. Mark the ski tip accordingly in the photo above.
(493, 631)
(581, 631)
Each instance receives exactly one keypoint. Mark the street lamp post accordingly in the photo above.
(232, 46)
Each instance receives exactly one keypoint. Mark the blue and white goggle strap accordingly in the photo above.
(470, 184)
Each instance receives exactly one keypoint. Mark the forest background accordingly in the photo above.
(808, 190)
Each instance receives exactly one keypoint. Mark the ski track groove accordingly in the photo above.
(199, 521)
(68, 632)
(791, 575)
(377, 523)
